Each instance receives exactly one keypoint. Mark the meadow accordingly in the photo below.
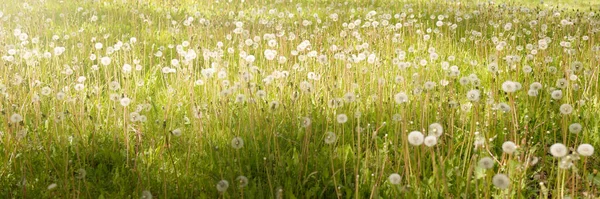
(299, 99)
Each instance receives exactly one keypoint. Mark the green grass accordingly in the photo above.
(176, 137)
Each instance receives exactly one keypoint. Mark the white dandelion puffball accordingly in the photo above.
(509, 86)
(566, 109)
(473, 95)
(535, 86)
(486, 163)
(509, 147)
(52, 186)
(242, 181)
(222, 186)
(401, 98)
(436, 129)
(575, 128)
(395, 178)
(501, 181)
(532, 93)
(430, 140)
(237, 143)
(558, 150)
(176, 132)
(342, 118)
(105, 61)
(16, 118)
(146, 194)
(125, 101)
(127, 68)
(306, 122)
(250, 58)
(557, 94)
(415, 138)
(80, 174)
(330, 138)
(585, 150)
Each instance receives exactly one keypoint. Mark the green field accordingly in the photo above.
(299, 99)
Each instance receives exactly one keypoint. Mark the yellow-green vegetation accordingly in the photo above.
(299, 99)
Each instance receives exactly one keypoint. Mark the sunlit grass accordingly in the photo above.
(309, 99)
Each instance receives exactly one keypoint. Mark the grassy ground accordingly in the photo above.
(302, 99)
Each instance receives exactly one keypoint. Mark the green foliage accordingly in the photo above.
(103, 131)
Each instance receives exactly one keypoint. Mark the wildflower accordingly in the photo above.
(240, 98)
(146, 195)
(493, 67)
(397, 117)
(401, 98)
(52, 186)
(566, 109)
(395, 178)
(342, 118)
(242, 181)
(535, 86)
(509, 147)
(565, 163)
(105, 61)
(330, 138)
(125, 101)
(80, 174)
(533, 160)
(585, 150)
(562, 83)
(436, 129)
(79, 87)
(504, 107)
(415, 138)
(46, 91)
(237, 143)
(349, 97)
(274, 105)
(16, 118)
(575, 128)
(127, 68)
(557, 94)
(558, 150)
(501, 181)
(430, 140)
(486, 163)
(509, 86)
(532, 93)
(222, 186)
(473, 95)
(176, 132)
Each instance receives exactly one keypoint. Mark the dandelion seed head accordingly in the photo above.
(509, 147)
(242, 181)
(16, 118)
(237, 143)
(575, 128)
(566, 109)
(585, 150)
(342, 118)
(558, 150)
(486, 163)
(501, 181)
(330, 138)
(395, 179)
(415, 138)
(430, 140)
(176, 132)
(125, 101)
(52, 186)
(222, 186)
